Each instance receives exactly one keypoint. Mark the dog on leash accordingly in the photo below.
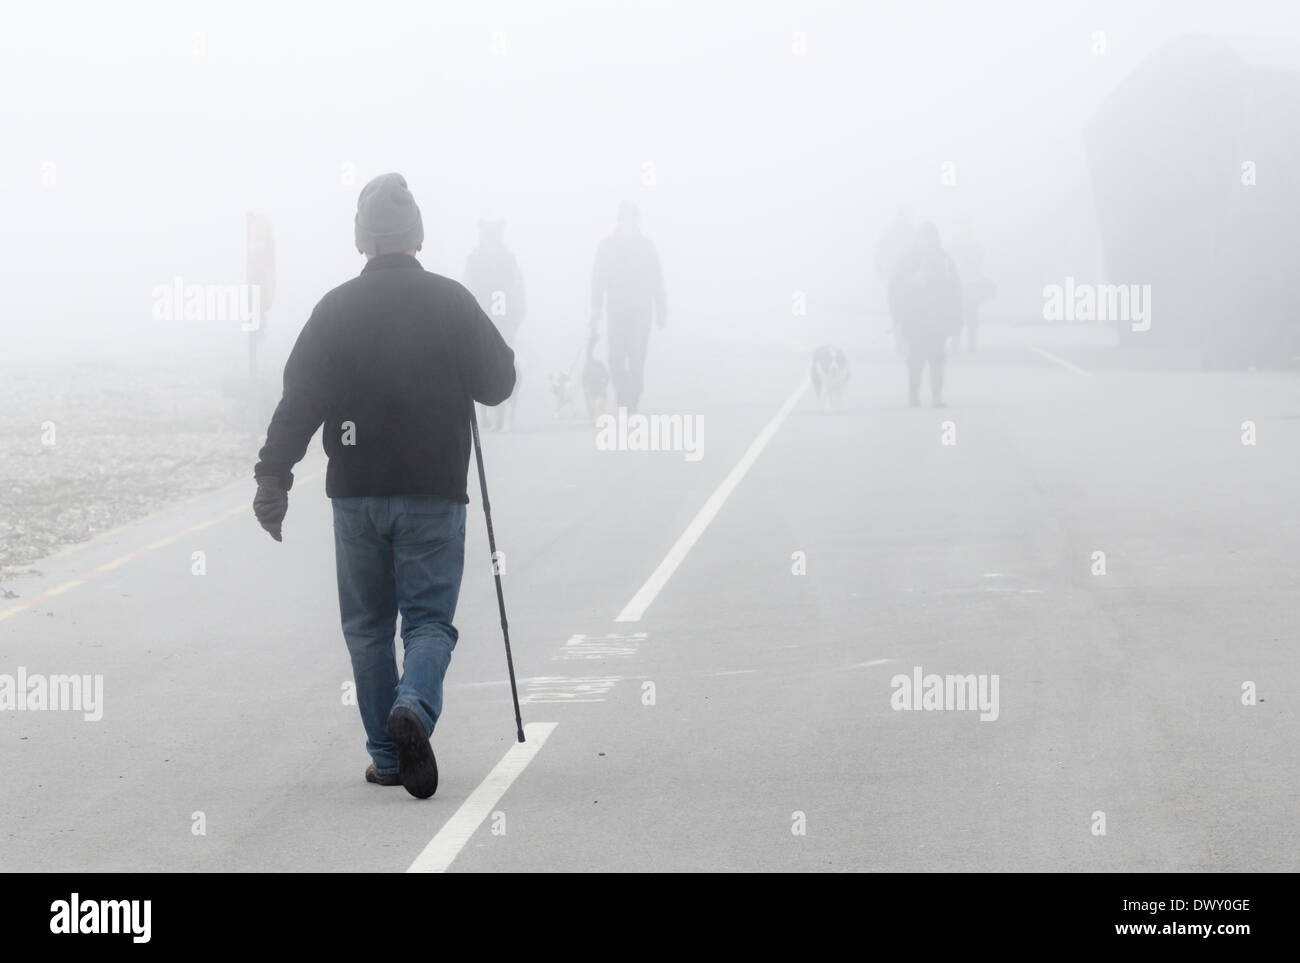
(562, 394)
(595, 383)
(830, 369)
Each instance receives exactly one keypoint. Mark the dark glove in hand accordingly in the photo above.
(270, 504)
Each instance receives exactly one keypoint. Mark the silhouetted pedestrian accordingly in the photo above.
(627, 286)
(925, 300)
(390, 363)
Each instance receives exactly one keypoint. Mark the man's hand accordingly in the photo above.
(270, 504)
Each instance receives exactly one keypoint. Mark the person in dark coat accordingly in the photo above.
(390, 363)
(627, 287)
(925, 300)
(492, 275)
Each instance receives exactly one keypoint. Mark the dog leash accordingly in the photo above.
(581, 352)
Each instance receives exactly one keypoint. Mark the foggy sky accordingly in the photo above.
(774, 170)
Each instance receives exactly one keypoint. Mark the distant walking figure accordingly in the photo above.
(925, 300)
(627, 286)
(389, 362)
(968, 256)
(492, 275)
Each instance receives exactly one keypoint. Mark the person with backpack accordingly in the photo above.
(925, 299)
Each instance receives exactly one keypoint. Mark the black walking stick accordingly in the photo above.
(496, 571)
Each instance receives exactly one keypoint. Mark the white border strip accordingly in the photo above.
(456, 832)
(1061, 361)
(634, 609)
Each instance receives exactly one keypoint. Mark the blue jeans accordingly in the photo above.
(398, 553)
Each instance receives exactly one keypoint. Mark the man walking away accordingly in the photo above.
(389, 363)
(627, 286)
(925, 300)
(492, 275)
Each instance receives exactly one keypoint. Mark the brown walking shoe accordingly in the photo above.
(382, 778)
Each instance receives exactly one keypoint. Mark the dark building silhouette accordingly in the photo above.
(1165, 153)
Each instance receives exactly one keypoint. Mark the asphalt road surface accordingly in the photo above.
(746, 719)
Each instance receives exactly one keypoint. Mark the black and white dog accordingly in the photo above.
(830, 369)
(562, 394)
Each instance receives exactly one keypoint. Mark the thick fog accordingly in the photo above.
(769, 146)
(879, 359)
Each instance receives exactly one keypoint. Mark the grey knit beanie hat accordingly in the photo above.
(388, 220)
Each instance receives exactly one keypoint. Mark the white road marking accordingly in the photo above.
(1061, 361)
(562, 689)
(867, 665)
(611, 646)
(456, 831)
(634, 609)
(981, 590)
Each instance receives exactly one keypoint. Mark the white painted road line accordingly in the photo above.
(565, 689)
(634, 609)
(456, 832)
(597, 648)
(1061, 361)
